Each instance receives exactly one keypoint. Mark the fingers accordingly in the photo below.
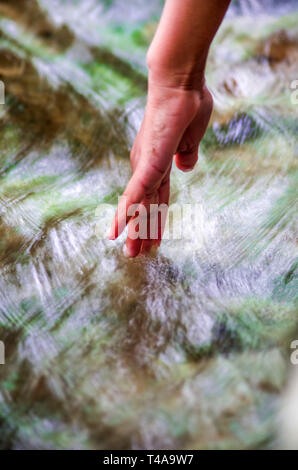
(145, 181)
(146, 228)
(132, 246)
(158, 216)
(133, 194)
(164, 197)
(188, 149)
(150, 204)
(186, 161)
(139, 227)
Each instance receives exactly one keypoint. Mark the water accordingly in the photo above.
(189, 348)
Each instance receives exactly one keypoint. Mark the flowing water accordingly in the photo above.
(189, 348)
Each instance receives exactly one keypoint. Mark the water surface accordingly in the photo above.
(186, 349)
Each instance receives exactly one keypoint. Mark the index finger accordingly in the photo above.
(133, 194)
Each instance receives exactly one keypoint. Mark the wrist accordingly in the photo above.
(165, 77)
(189, 75)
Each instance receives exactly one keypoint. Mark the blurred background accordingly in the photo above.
(188, 349)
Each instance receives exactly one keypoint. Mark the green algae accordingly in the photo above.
(254, 324)
(117, 86)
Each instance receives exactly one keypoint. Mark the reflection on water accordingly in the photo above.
(187, 349)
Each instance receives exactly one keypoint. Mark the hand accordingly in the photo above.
(175, 121)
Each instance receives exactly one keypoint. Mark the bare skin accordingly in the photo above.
(177, 113)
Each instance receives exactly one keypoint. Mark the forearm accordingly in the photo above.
(180, 47)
